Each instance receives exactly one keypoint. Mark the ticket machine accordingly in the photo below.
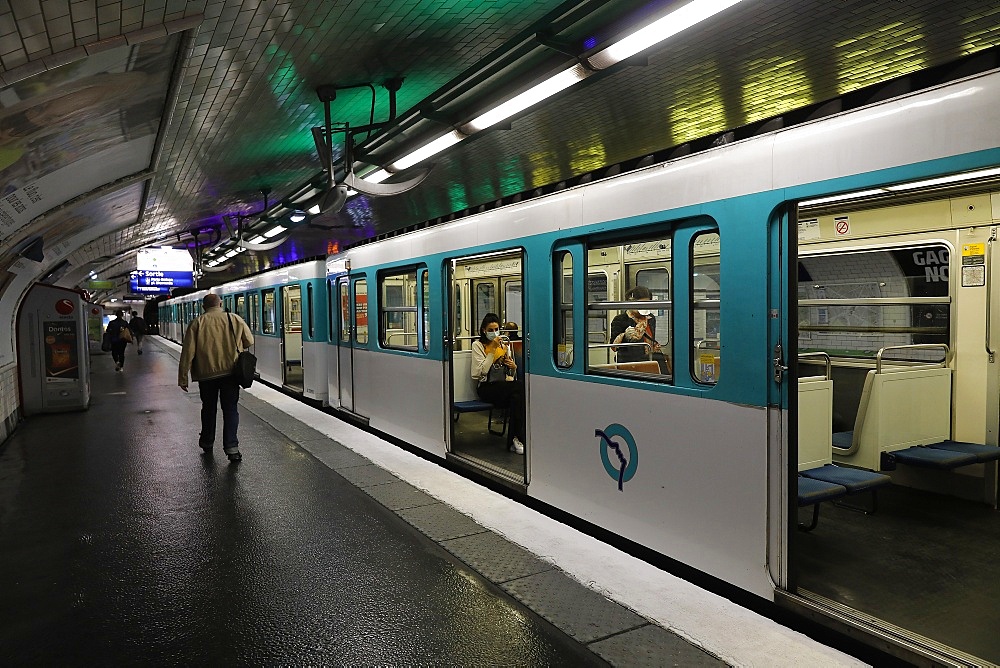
(53, 350)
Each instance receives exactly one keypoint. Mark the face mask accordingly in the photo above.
(491, 335)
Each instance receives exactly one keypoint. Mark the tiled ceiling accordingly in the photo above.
(236, 98)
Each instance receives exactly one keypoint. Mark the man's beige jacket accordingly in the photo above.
(210, 348)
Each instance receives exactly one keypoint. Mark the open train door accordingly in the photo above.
(351, 294)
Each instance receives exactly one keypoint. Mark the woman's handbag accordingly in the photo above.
(125, 334)
(245, 368)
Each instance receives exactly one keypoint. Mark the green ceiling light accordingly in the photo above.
(675, 22)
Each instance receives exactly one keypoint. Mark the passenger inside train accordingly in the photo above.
(633, 331)
(495, 372)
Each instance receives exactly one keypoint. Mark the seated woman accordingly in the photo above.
(493, 368)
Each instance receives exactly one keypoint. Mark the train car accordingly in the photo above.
(840, 240)
(286, 309)
(709, 349)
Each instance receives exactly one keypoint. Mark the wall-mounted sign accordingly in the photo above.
(164, 259)
(146, 278)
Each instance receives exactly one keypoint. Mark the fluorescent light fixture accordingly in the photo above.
(276, 230)
(313, 210)
(306, 194)
(532, 96)
(954, 178)
(240, 249)
(676, 21)
(377, 176)
(230, 254)
(259, 239)
(838, 198)
(427, 150)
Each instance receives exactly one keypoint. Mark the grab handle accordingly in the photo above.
(989, 294)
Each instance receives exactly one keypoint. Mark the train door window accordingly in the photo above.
(345, 311)
(269, 315)
(564, 309)
(398, 310)
(254, 312)
(310, 312)
(241, 306)
(637, 311)
(425, 306)
(705, 315)
(361, 311)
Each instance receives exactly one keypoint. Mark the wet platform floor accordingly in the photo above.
(120, 543)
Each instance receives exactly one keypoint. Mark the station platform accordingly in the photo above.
(122, 543)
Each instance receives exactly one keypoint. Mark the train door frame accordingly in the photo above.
(286, 324)
(460, 313)
(345, 364)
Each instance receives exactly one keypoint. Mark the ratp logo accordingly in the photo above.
(624, 466)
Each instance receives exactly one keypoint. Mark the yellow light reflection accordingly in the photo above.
(774, 85)
(587, 154)
(879, 55)
(699, 109)
(544, 168)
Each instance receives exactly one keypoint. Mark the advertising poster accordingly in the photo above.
(61, 361)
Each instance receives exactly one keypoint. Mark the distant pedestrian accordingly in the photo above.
(119, 340)
(211, 344)
(138, 327)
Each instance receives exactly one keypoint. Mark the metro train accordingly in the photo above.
(822, 297)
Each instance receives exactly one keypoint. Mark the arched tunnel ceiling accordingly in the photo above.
(133, 123)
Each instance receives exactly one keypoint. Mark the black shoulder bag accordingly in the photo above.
(245, 368)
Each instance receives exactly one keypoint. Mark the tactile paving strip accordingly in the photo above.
(333, 454)
(576, 610)
(365, 476)
(440, 522)
(651, 647)
(495, 557)
(399, 495)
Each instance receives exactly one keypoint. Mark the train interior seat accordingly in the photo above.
(815, 463)
(904, 416)
(465, 398)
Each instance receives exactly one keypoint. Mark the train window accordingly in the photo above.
(597, 320)
(486, 300)
(254, 312)
(425, 306)
(241, 306)
(269, 316)
(564, 309)
(361, 311)
(398, 310)
(629, 309)
(310, 313)
(854, 303)
(345, 311)
(706, 338)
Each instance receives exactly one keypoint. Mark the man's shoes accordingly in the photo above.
(140, 352)
(118, 367)
(207, 447)
(517, 446)
(233, 453)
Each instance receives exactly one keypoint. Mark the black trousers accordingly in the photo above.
(118, 352)
(226, 391)
(509, 395)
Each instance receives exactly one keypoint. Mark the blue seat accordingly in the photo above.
(982, 453)
(855, 480)
(475, 406)
(843, 439)
(812, 492)
(934, 458)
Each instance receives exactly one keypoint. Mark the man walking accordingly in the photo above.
(138, 327)
(211, 344)
(119, 333)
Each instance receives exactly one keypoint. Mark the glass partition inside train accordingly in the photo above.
(897, 410)
(481, 431)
